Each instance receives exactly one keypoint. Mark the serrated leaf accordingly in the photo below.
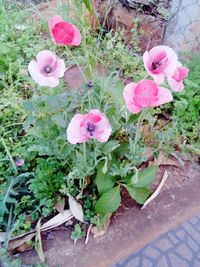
(109, 201)
(76, 209)
(140, 195)
(103, 181)
(145, 177)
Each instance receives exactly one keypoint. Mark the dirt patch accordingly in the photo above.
(130, 227)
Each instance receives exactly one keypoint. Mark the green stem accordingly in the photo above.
(84, 153)
(9, 155)
(138, 132)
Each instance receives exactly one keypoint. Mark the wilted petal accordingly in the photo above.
(77, 37)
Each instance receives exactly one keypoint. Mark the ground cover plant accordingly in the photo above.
(62, 147)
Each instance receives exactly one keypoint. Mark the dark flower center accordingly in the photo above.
(155, 65)
(90, 128)
(47, 69)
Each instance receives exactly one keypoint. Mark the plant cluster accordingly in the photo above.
(86, 143)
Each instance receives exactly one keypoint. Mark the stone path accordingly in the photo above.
(179, 247)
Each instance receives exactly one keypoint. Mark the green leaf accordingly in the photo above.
(109, 201)
(110, 146)
(140, 195)
(103, 181)
(87, 4)
(133, 118)
(145, 177)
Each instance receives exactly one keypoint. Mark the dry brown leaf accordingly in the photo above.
(57, 220)
(60, 205)
(25, 246)
(96, 232)
(19, 241)
(157, 191)
(146, 132)
(76, 209)
(38, 241)
(164, 160)
(52, 223)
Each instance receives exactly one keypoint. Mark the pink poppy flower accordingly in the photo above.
(160, 62)
(176, 81)
(47, 69)
(63, 32)
(145, 94)
(91, 125)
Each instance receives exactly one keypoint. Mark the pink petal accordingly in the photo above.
(63, 33)
(52, 24)
(183, 73)
(145, 93)
(129, 98)
(168, 63)
(60, 68)
(54, 21)
(42, 80)
(46, 58)
(104, 135)
(176, 86)
(103, 128)
(77, 37)
(164, 96)
(74, 133)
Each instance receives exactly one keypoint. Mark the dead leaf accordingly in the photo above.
(38, 241)
(57, 220)
(19, 241)
(24, 247)
(60, 205)
(157, 191)
(147, 133)
(76, 209)
(100, 232)
(164, 160)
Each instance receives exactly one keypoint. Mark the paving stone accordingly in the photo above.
(181, 234)
(172, 237)
(146, 263)
(184, 251)
(192, 231)
(192, 244)
(194, 220)
(164, 244)
(162, 263)
(177, 261)
(196, 263)
(151, 252)
(133, 263)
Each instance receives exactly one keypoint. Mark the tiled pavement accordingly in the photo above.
(179, 247)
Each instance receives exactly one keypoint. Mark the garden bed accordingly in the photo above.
(130, 227)
(55, 157)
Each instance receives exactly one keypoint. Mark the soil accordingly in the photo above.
(130, 226)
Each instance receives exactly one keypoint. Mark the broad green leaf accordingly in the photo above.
(109, 201)
(145, 177)
(103, 181)
(140, 195)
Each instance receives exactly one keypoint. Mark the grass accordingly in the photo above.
(53, 168)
